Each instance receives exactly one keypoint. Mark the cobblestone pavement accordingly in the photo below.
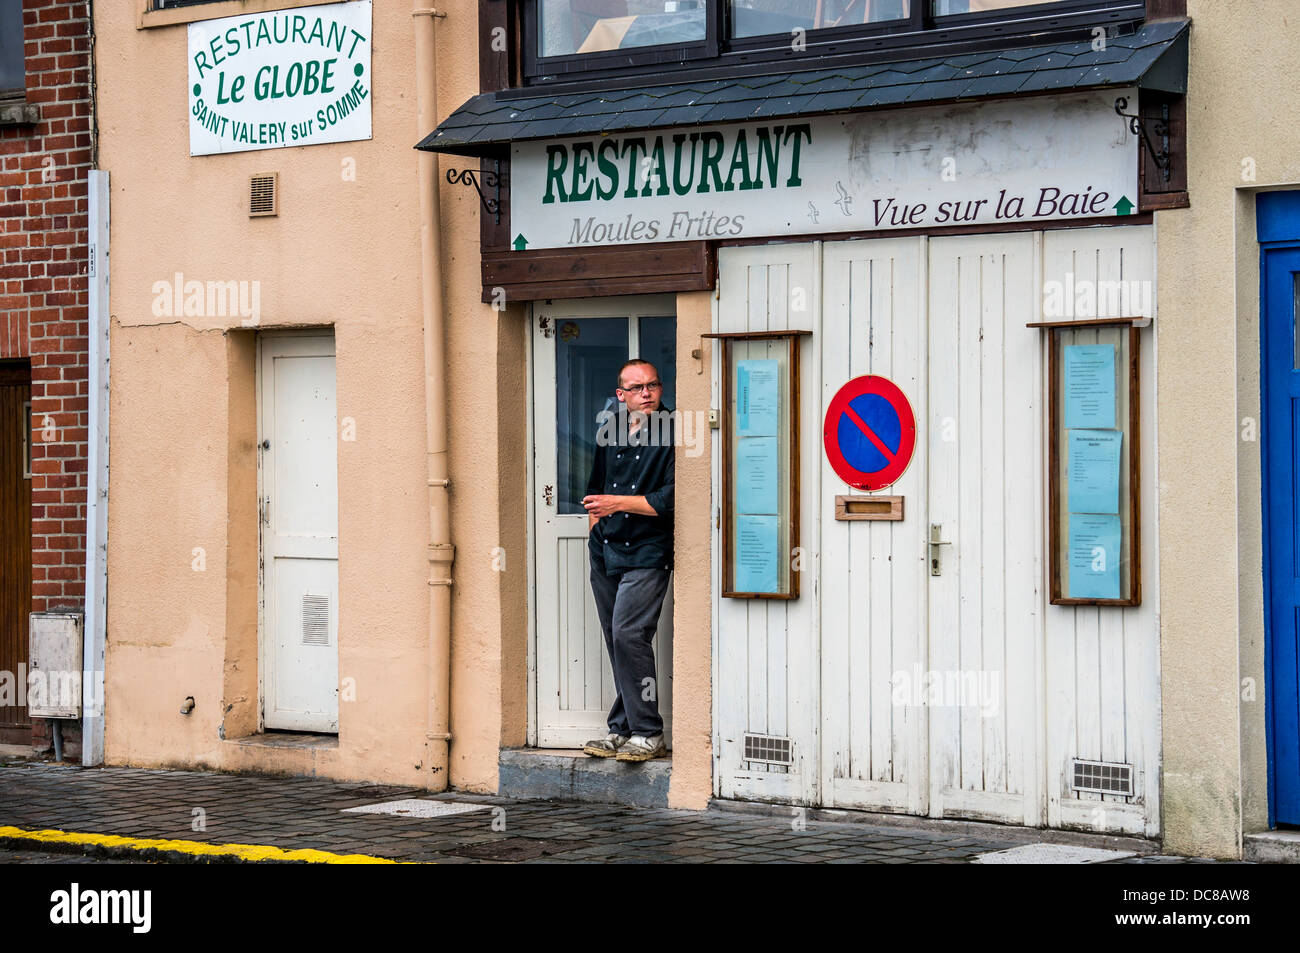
(296, 813)
(50, 857)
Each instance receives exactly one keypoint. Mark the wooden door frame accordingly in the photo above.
(18, 372)
(608, 306)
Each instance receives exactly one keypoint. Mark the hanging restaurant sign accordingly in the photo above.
(294, 77)
(1035, 159)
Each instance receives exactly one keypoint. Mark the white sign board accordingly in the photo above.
(294, 77)
(1034, 159)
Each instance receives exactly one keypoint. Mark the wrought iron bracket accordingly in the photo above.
(490, 179)
(1160, 126)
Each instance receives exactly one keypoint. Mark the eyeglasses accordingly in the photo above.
(637, 388)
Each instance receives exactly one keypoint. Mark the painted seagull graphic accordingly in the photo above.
(845, 200)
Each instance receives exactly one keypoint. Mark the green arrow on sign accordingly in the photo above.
(1124, 206)
(520, 242)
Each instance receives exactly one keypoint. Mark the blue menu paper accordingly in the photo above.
(1094, 556)
(756, 398)
(756, 554)
(756, 475)
(1094, 470)
(1090, 386)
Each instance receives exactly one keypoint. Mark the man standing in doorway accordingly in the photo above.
(629, 505)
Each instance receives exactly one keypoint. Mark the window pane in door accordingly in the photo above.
(766, 17)
(566, 27)
(588, 354)
(658, 344)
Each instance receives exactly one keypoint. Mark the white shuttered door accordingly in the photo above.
(873, 573)
(985, 498)
(956, 690)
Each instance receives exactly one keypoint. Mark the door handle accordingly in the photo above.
(264, 510)
(936, 564)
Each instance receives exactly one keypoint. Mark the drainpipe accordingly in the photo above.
(441, 551)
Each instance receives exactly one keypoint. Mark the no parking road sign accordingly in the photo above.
(870, 433)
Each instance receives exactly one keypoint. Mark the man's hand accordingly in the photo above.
(606, 504)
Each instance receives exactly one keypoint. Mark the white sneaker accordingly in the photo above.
(606, 747)
(641, 748)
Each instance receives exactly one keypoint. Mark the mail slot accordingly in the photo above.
(868, 507)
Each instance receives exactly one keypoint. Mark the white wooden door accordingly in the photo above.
(985, 424)
(961, 693)
(929, 689)
(874, 576)
(578, 347)
(298, 487)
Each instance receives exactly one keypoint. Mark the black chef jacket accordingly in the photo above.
(636, 464)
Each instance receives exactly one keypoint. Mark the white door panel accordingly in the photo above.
(873, 573)
(765, 650)
(299, 531)
(985, 494)
(1103, 664)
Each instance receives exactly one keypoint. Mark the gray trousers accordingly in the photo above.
(628, 605)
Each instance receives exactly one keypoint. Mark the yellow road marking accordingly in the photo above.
(248, 852)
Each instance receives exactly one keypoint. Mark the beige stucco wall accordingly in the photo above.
(1213, 750)
(692, 778)
(182, 520)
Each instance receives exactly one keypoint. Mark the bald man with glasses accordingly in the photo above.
(629, 505)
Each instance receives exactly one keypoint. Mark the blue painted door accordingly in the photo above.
(1281, 425)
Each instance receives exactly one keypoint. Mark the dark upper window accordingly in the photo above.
(13, 70)
(567, 40)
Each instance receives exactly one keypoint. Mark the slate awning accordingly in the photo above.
(1153, 57)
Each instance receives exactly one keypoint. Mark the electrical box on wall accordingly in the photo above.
(54, 676)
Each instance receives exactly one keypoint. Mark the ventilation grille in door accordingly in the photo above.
(262, 194)
(315, 619)
(1102, 777)
(767, 748)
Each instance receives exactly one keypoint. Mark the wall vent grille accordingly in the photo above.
(1102, 777)
(263, 194)
(767, 748)
(315, 619)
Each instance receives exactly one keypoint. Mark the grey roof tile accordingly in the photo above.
(1052, 79)
(692, 114)
(832, 82)
(789, 106)
(1000, 85)
(834, 101)
(731, 112)
(935, 73)
(994, 67)
(487, 123)
(892, 77)
(948, 89)
(885, 96)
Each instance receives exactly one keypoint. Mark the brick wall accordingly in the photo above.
(43, 307)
